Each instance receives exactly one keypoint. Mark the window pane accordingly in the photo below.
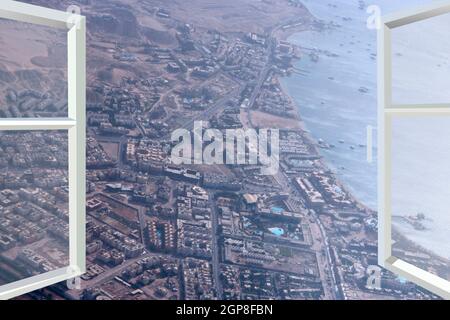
(421, 62)
(421, 191)
(33, 70)
(33, 203)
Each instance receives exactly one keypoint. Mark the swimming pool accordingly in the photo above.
(277, 209)
(277, 231)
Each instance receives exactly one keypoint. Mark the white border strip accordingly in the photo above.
(14, 289)
(36, 124)
(19, 11)
(77, 144)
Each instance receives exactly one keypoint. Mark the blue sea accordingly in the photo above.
(337, 99)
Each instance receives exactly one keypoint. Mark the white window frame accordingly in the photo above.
(76, 128)
(386, 111)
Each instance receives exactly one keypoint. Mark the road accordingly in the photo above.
(283, 180)
(328, 255)
(114, 272)
(215, 246)
(323, 244)
(142, 223)
(215, 109)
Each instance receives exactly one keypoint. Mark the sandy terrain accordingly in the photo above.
(265, 120)
(32, 57)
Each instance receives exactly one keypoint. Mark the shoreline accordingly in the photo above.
(314, 145)
(313, 142)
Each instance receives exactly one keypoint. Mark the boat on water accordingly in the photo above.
(323, 144)
(363, 90)
(417, 221)
(361, 5)
(314, 57)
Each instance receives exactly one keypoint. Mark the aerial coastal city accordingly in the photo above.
(159, 230)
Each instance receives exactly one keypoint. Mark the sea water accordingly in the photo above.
(337, 99)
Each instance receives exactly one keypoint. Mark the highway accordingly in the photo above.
(215, 109)
(283, 180)
(215, 246)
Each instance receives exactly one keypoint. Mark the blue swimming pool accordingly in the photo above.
(277, 231)
(277, 209)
